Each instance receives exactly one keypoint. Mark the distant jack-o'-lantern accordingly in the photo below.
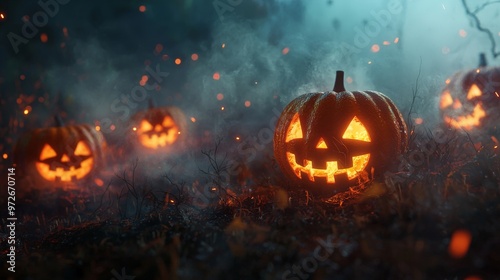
(471, 99)
(60, 155)
(325, 140)
(159, 128)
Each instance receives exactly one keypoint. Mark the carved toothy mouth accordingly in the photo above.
(331, 170)
(65, 174)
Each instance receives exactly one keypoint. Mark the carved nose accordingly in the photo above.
(158, 128)
(65, 158)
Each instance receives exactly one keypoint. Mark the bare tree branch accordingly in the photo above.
(489, 33)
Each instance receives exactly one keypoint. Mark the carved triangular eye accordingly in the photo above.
(145, 126)
(321, 144)
(47, 152)
(82, 149)
(294, 130)
(474, 91)
(356, 131)
(446, 100)
(167, 122)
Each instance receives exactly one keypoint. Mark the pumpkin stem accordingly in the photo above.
(57, 119)
(339, 82)
(482, 60)
(151, 103)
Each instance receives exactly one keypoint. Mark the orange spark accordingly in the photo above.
(375, 48)
(459, 244)
(194, 57)
(396, 40)
(99, 182)
(193, 119)
(216, 76)
(220, 96)
(178, 61)
(285, 51)
(142, 8)
(5, 156)
(44, 38)
(248, 103)
(419, 121)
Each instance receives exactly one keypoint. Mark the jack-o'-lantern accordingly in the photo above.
(60, 155)
(471, 99)
(159, 128)
(325, 140)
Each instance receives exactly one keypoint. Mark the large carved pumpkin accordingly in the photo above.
(60, 156)
(159, 129)
(471, 99)
(325, 140)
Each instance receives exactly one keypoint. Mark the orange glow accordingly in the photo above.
(285, 51)
(375, 48)
(60, 173)
(144, 80)
(457, 104)
(237, 138)
(248, 103)
(216, 76)
(142, 8)
(65, 31)
(419, 121)
(2, 16)
(178, 61)
(446, 100)
(473, 277)
(158, 48)
(497, 94)
(162, 137)
(386, 43)
(220, 96)
(194, 57)
(134, 128)
(193, 119)
(112, 127)
(447, 81)
(222, 108)
(356, 130)
(98, 128)
(223, 45)
(349, 80)
(478, 70)
(462, 33)
(474, 91)
(468, 122)
(396, 40)
(5, 156)
(44, 38)
(99, 182)
(459, 244)
(26, 111)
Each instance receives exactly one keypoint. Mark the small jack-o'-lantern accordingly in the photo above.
(471, 99)
(60, 155)
(325, 140)
(159, 128)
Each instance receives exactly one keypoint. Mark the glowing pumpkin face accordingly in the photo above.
(159, 128)
(60, 156)
(471, 100)
(324, 141)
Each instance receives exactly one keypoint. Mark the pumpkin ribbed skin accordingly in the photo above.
(326, 115)
(63, 140)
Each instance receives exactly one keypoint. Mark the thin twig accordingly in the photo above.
(479, 27)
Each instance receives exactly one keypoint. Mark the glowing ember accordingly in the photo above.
(142, 8)
(220, 96)
(285, 51)
(478, 70)
(396, 40)
(248, 103)
(65, 31)
(44, 38)
(178, 61)
(375, 48)
(222, 108)
(459, 244)
(5, 156)
(447, 81)
(194, 57)
(386, 43)
(419, 121)
(193, 119)
(2, 16)
(99, 182)
(223, 45)
(497, 94)
(237, 138)
(144, 80)
(134, 128)
(216, 76)
(98, 128)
